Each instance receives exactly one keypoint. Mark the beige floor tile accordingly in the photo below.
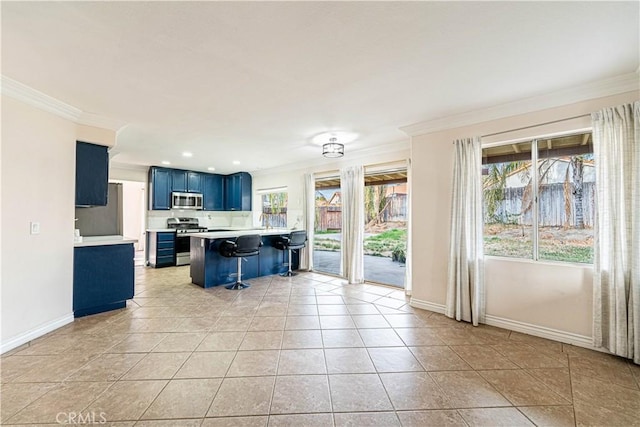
(126, 400)
(158, 325)
(414, 390)
(302, 362)
(169, 423)
(367, 419)
(362, 309)
(56, 368)
(433, 418)
(606, 368)
(107, 367)
(138, 343)
(184, 399)
(64, 398)
(404, 321)
(528, 357)
(358, 393)
(302, 339)
(256, 421)
(547, 416)
(302, 300)
(221, 341)
(439, 358)
(467, 389)
(370, 321)
(330, 300)
(557, 379)
(301, 394)
(254, 363)
(394, 359)
(598, 402)
(298, 420)
(14, 397)
(380, 338)
(243, 396)
(206, 364)
(541, 343)
(197, 324)
(522, 389)
(14, 366)
(157, 366)
(336, 322)
(419, 336)
(263, 340)
(348, 361)
(301, 322)
(267, 323)
(483, 357)
(498, 417)
(179, 342)
(333, 310)
(302, 310)
(341, 338)
(232, 324)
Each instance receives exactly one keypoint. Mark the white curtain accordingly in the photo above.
(465, 288)
(616, 309)
(309, 220)
(352, 186)
(408, 262)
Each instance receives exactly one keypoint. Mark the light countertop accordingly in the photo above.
(103, 241)
(161, 230)
(241, 232)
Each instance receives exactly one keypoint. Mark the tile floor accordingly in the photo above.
(306, 351)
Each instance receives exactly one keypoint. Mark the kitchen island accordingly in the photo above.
(103, 274)
(209, 268)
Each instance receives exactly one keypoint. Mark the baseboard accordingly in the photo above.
(517, 326)
(35, 333)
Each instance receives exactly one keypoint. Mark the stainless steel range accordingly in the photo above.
(184, 227)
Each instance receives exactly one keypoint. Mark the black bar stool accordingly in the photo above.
(241, 247)
(294, 241)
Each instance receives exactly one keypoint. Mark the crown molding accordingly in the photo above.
(608, 87)
(30, 96)
(42, 101)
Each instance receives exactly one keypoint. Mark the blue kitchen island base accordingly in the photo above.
(209, 268)
(103, 278)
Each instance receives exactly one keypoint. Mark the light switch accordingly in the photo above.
(35, 227)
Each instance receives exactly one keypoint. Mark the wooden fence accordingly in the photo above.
(552, 212)
(330, 217)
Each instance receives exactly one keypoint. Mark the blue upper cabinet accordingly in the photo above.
(92, 174)
(213, 192)
(160, 180)
(194, 182)
(238, 192)
(178, 181)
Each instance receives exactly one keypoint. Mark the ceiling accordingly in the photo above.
(256, 81)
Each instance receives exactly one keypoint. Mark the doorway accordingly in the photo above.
(327, 243)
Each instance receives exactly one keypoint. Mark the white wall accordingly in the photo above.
(544, 296)
(38, 182)
(134, 206)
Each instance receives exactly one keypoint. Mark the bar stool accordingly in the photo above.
(294, 241)
(241, 247)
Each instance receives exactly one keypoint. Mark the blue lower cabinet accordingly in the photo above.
(103, 278)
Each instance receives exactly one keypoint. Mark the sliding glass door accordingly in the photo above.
(327, 245)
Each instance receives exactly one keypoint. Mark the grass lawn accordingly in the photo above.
(382, 244)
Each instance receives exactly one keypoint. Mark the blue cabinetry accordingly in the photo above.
(213, 192)
(178, 181)
(103, 278)
(92, 174)
(160, 188)
(194, 182)
(161, 247)
(238, 192)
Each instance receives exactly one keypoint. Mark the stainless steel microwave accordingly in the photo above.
(186, 201)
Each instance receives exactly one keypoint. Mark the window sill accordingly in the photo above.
(540, 262)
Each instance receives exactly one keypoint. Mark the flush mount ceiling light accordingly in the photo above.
(187, 154)
(333, 148)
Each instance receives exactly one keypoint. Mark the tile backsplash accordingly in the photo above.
(209, 219)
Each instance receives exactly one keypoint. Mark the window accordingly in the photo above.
(544, 212)
(274, 209)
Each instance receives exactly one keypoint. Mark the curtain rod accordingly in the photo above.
(535, 126)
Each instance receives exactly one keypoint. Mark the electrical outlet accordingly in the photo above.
(35, 227)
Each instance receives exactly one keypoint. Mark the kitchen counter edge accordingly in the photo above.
(103, 241)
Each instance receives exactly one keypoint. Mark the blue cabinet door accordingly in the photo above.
(213, 192)
(92, 174)
(178, 181)
(194, 182)
(238, 192)
(160, 188)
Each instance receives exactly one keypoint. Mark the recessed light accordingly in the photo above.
(211, 168)
(187, 154)
(236, 162)
(165, 162)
